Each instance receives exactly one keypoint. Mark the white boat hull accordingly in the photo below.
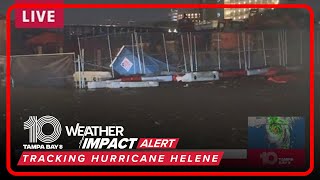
(117, 84)
(199, 76)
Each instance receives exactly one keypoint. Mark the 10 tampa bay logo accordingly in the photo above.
(37, 138)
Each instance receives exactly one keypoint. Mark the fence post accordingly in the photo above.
(249, 58)
(301, 50)
(138, 53)
(75, 66)
(219, 60)
(165, 51)
(279, 48)
(82, 68)
(134, 62)
(110, 55)
(244, 50)
(79, 46)
(190, 51)
(317, 50)
(142, 55)
(184, 56)
(283, 48)
(239, 52)
(79, 72)
(195, 52)
(286, 37)
(264, 50)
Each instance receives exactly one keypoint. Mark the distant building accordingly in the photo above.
(238, 14)
(243, 13)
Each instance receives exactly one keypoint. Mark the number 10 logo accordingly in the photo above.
(35, 129)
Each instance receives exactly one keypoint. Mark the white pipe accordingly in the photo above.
(249, 58)
(138, 54)
(244, 50)
(82, 69)
(79, 46)
(286, 45)
(165, 51)
(79, 73)
(110, 55)
(134, 62)
(115, 58)
(219, 60)
(75, 64)
(318, 47)
(283, 49)
(52, 54)
(195, 52)
(239, 51)
(190, 51)
(184, 56)
(279, 48)
(142, 55)
(301, 51)
(264, 50)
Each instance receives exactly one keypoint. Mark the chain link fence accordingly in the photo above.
(204, 51)
(199, 51)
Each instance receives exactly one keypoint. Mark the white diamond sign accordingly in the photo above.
(126, 64)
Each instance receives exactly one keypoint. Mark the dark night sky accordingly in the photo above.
(97, 16)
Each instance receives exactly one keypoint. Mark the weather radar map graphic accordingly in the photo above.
(275, 132)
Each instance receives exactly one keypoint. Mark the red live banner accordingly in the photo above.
(39, 17)
(120, 158)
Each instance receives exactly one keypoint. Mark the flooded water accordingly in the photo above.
(202, 115)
